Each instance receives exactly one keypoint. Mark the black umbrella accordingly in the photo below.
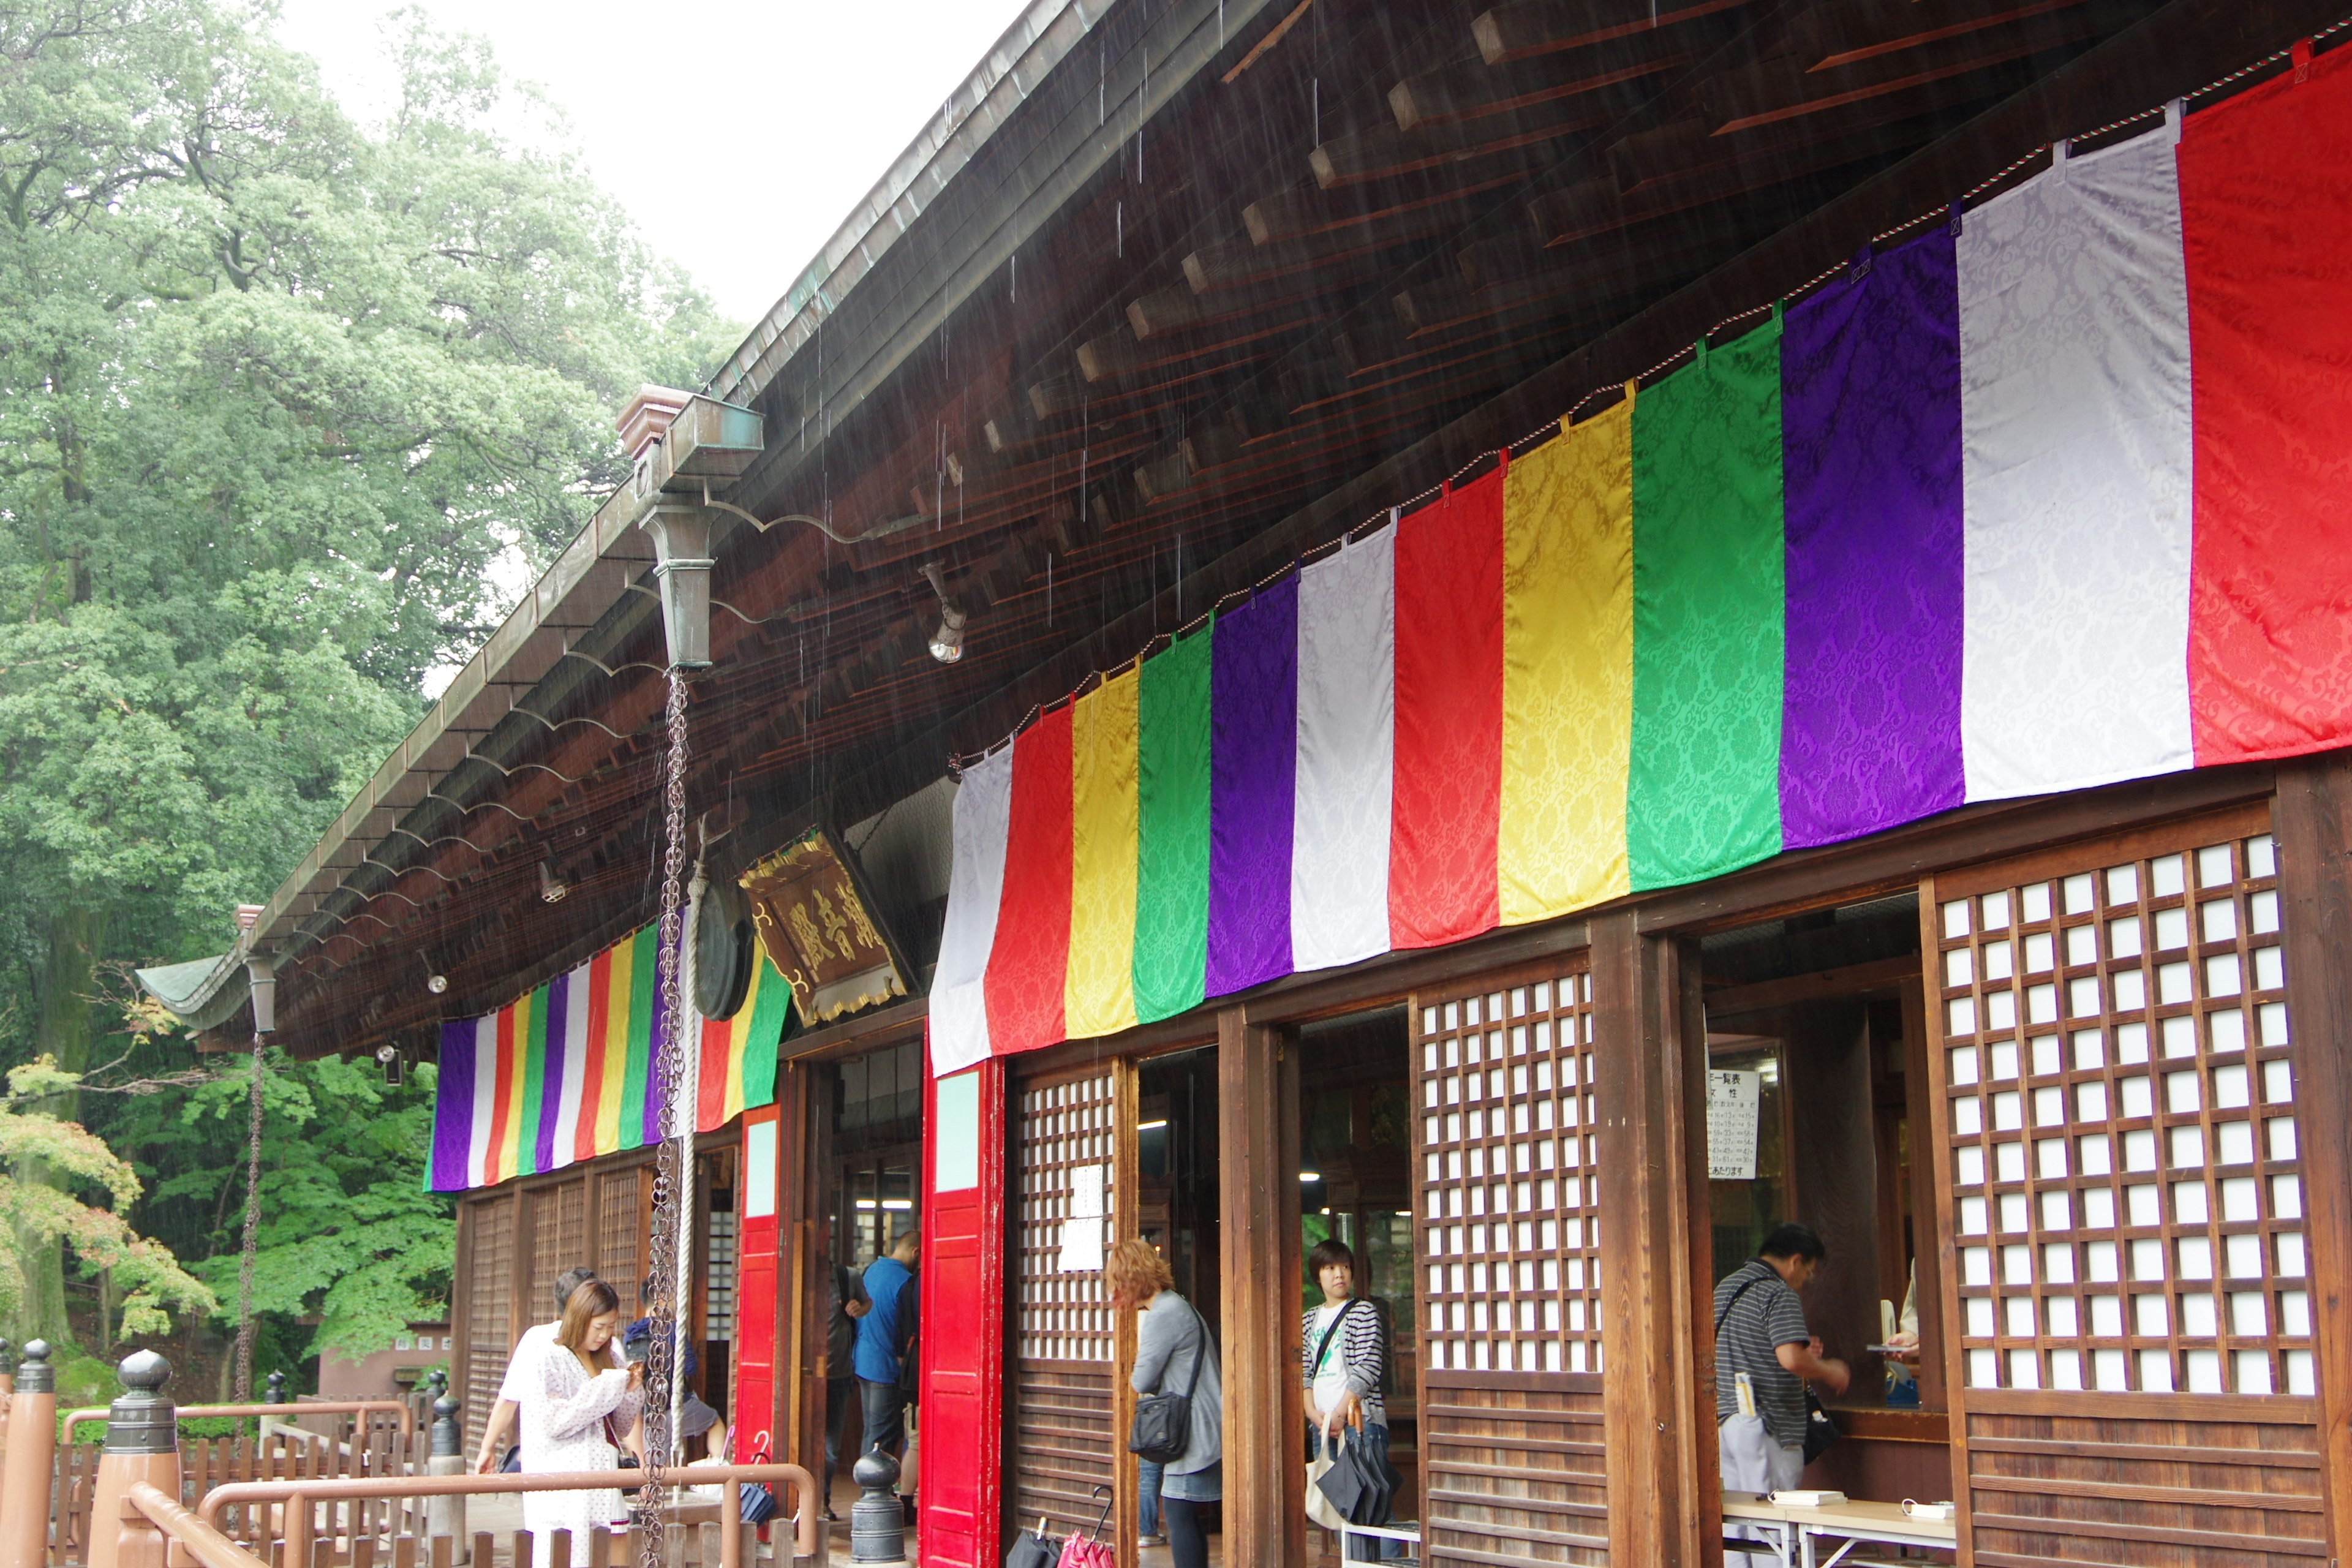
(1359, 1485)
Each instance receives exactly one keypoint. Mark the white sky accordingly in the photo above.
(796, 106)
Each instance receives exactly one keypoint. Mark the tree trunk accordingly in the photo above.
(65, 1028)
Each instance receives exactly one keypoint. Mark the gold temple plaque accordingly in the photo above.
(814, 924)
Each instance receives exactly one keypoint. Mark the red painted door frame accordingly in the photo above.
(963, 1348)
(760, 1187)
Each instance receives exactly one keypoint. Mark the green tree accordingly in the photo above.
(349, 1239)
(281, 397)
(149, 1278)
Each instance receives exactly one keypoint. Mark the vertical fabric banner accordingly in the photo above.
(638, 1108)
(2266, 211)
(1346, 755)
(513, 1026)
(1254, 760)
(1871, 464)
(574, 987)
(1099, 995)
(2074, 299)
(455, 1163)
(596, 1027)
(1171, 894)
(757, 1031)
(490, 1108)
(1704, 792)
(1031, 957)
(1449, 718)
(959, 1005)
(1568, 670)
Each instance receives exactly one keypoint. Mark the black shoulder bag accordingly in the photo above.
(1820, 1430)
(1163, 1422)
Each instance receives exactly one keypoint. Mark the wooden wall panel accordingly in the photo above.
(2127, 1282)
(1510, 1291)
(2168, 1487)
(1514, 1468)
(489, 1303)
(559, 1240)
(1066, 1339)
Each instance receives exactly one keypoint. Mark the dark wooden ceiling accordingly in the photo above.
(1370, 243)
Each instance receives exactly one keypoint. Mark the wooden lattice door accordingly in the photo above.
(2128, 1297)
(1074, 1139)
(489, 1227)
(1511, 1365)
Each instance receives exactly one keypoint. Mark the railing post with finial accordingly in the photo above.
(143, 1444)
(877, 1520)
(277, 1381)
(32, 1459)
(447, 1515)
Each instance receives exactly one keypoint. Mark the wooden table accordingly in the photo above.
(1853, 1524)
(1796, 1536)
(1762, 1515)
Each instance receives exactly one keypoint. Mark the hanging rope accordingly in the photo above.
(671, 1173)
(252, 1252)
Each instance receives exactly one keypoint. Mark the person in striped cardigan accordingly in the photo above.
(1343, 1352)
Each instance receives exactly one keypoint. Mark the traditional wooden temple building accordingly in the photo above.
(1537, 636)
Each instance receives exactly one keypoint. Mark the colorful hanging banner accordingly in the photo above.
(2044, 499)
(565, 1074)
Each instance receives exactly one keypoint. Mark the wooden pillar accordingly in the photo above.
(2312, 818)
(1257, 1128)
(1650, 1045)
(803, 1271)
(143, 1444)
(32, 1456)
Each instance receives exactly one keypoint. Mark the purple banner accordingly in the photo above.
(1252, 761)
(1871, 417)
(551, 1079)
(453, 1109)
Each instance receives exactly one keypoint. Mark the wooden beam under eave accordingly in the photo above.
(1861, 29)
(1473, 91)
(1522, 29)
(1383, 153)
(1774, 91)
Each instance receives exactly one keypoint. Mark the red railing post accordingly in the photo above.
(31, 1461)
(142, 1444)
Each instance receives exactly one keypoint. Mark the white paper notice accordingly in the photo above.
(1085, 1192)
(1082, 1245)
(1731, 1102)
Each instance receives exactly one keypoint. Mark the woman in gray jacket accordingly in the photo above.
(1172, 1341)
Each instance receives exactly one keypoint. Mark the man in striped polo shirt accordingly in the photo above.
(1763, 1356)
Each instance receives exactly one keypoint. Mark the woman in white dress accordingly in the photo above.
(576, 1411)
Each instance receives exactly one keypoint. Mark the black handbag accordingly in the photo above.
(1162, 1430)
(1821, 1432)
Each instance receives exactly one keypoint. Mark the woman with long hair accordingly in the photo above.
(1171, 1344)
(577, 1413)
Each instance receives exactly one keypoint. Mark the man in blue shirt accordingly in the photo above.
(885, 1337)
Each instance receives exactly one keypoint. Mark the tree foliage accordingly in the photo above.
(349, 1239)
(151, 1279)
(282, 398)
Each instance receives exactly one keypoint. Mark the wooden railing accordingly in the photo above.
(368, 1438)
(150, 1500)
